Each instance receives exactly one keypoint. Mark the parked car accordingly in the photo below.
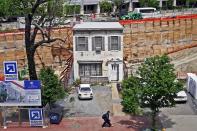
(85, 91)
(181, 97)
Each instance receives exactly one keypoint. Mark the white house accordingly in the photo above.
(98, 51)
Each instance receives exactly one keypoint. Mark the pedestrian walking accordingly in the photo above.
(106, 119)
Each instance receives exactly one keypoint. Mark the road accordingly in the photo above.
(101, 102)
(182, 117)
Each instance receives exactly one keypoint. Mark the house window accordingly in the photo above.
(98, 43)
(93, 69)
(81, 43)
(114, 43)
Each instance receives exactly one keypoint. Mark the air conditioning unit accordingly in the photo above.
(98, 49)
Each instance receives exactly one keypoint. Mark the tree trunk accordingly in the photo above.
(154, 113)
(30, 48)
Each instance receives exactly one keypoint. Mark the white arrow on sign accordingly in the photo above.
(10, 68)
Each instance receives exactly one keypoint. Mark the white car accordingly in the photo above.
(85, 91)
(181, 97)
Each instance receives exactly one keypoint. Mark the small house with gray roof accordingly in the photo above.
(98, 51)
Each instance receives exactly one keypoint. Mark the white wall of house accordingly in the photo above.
(106, 57)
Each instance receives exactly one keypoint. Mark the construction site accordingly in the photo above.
(175, 36)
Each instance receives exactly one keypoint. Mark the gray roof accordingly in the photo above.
(98, 26)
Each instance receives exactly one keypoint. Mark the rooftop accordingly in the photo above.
(98, 26)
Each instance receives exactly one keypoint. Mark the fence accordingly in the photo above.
(19, 117)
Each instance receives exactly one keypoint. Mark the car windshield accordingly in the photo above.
(85, 89)
(147, 10)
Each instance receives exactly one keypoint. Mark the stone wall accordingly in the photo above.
(154, 37)
(12, 47)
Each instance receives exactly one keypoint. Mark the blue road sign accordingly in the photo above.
(32, 84)
(36, 117)
(10, 67)
(10, 70)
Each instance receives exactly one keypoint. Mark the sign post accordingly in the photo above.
(36, 117)
(10, 70)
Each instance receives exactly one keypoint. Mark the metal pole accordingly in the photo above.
(19, 117)
(45, 124)
(1, 117)
(4, 118)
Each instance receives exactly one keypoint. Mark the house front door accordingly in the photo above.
(114, 72)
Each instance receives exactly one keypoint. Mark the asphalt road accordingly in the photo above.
(181, 108)
(182, 117)
(82, 108)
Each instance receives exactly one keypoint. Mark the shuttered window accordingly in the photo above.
(81, 43)
(114, 43)
(98, 42)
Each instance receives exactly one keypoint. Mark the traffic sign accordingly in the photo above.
(10, 70)
(32, 84)
(36, 117)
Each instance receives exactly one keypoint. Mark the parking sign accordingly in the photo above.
(10, 70)
(36, 117)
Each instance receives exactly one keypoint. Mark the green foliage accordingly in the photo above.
(149, 3)
(105, 6)
(51, 87)
(77, 82)
(71, 9)
(155, 87)
(117, 3)
(23, 73)
(24, 7)
(132, 16)
(130, 95)
(169, 5)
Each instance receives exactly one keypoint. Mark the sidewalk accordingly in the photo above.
(90, 124)
(116, 105)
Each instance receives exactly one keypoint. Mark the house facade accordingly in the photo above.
(98, 51)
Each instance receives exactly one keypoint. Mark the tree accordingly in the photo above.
(154, 88)
(51, 87)
(118, 4)
(149, 3)
(191, 3)
(106, 6)
(37, 14)
(71, 9)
